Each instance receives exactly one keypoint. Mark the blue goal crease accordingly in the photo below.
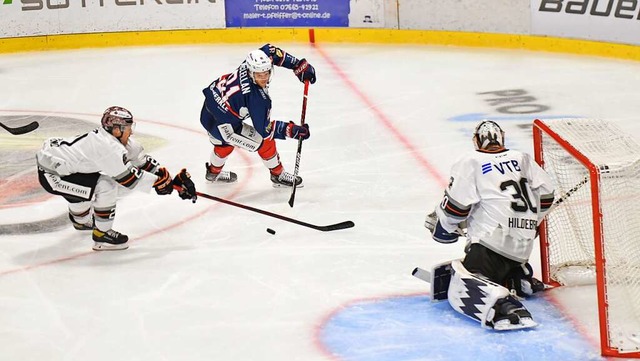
(414, 328)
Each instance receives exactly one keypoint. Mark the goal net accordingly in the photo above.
(593, 235)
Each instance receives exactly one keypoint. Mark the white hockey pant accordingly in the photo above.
(248, 138)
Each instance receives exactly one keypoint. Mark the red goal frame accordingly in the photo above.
(539, 127)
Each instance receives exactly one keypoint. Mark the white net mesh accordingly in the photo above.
(572, 252)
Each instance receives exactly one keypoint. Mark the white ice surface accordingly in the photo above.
(206, 281)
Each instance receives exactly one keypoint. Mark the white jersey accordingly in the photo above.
(96, 152)
(503, 195)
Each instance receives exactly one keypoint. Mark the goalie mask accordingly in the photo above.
(258, 62)
(486, 134)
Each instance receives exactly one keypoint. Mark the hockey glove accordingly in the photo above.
(305, 71)
(298, 131)
(439, 234)
(187, 188)
(163, 185)
(430, 221)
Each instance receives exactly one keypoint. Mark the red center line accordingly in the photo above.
(385, 120)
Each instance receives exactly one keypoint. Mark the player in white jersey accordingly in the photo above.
(502, 195)
(89, 169)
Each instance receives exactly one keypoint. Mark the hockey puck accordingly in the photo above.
(269, 230)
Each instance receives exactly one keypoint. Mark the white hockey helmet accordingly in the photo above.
(116, 116)
(488, 133)
(258, 62)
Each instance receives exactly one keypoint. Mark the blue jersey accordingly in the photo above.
(234, 97)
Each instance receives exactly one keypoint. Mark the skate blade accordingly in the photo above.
(103, 246)
(508, 326)
(278, 185)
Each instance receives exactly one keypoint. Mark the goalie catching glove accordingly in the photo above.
(186, 188)
(438, 233)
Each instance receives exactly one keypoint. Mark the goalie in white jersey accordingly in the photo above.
(88, 170)
(502, 195)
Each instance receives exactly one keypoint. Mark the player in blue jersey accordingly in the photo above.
(242, 95)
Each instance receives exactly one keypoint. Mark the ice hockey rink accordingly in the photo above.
(205, 281)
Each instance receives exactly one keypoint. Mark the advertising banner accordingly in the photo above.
(615, 21)
(50, 17)
(305, 13)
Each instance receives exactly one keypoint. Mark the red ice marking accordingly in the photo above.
(312, 36)
(386, 121)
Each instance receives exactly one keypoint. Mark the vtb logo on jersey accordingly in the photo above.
(502, 167)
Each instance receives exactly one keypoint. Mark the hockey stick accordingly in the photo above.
(568, 194)
(295, 170)
(331, 227)
(421, 274)
(21, 130)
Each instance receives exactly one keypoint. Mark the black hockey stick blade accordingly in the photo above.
(329, 228)
(21, 130)
(337, 226)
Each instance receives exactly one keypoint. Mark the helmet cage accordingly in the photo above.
(488, 133)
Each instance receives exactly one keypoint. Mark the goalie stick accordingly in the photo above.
(21, 130)
(421, 274)
(568, 194)
(299, 151)
(328, 228)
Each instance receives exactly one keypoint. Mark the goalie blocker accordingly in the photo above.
(476, 297)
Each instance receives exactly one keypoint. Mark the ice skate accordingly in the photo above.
(220, 177)
(285, 179)
(81, 226)
(109, 240)
(510, 315)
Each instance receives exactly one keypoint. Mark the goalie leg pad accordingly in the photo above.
(485, 301)
(440, 280)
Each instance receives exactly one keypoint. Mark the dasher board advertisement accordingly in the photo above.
(616, 21)
(50, 17)
(305, 13)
